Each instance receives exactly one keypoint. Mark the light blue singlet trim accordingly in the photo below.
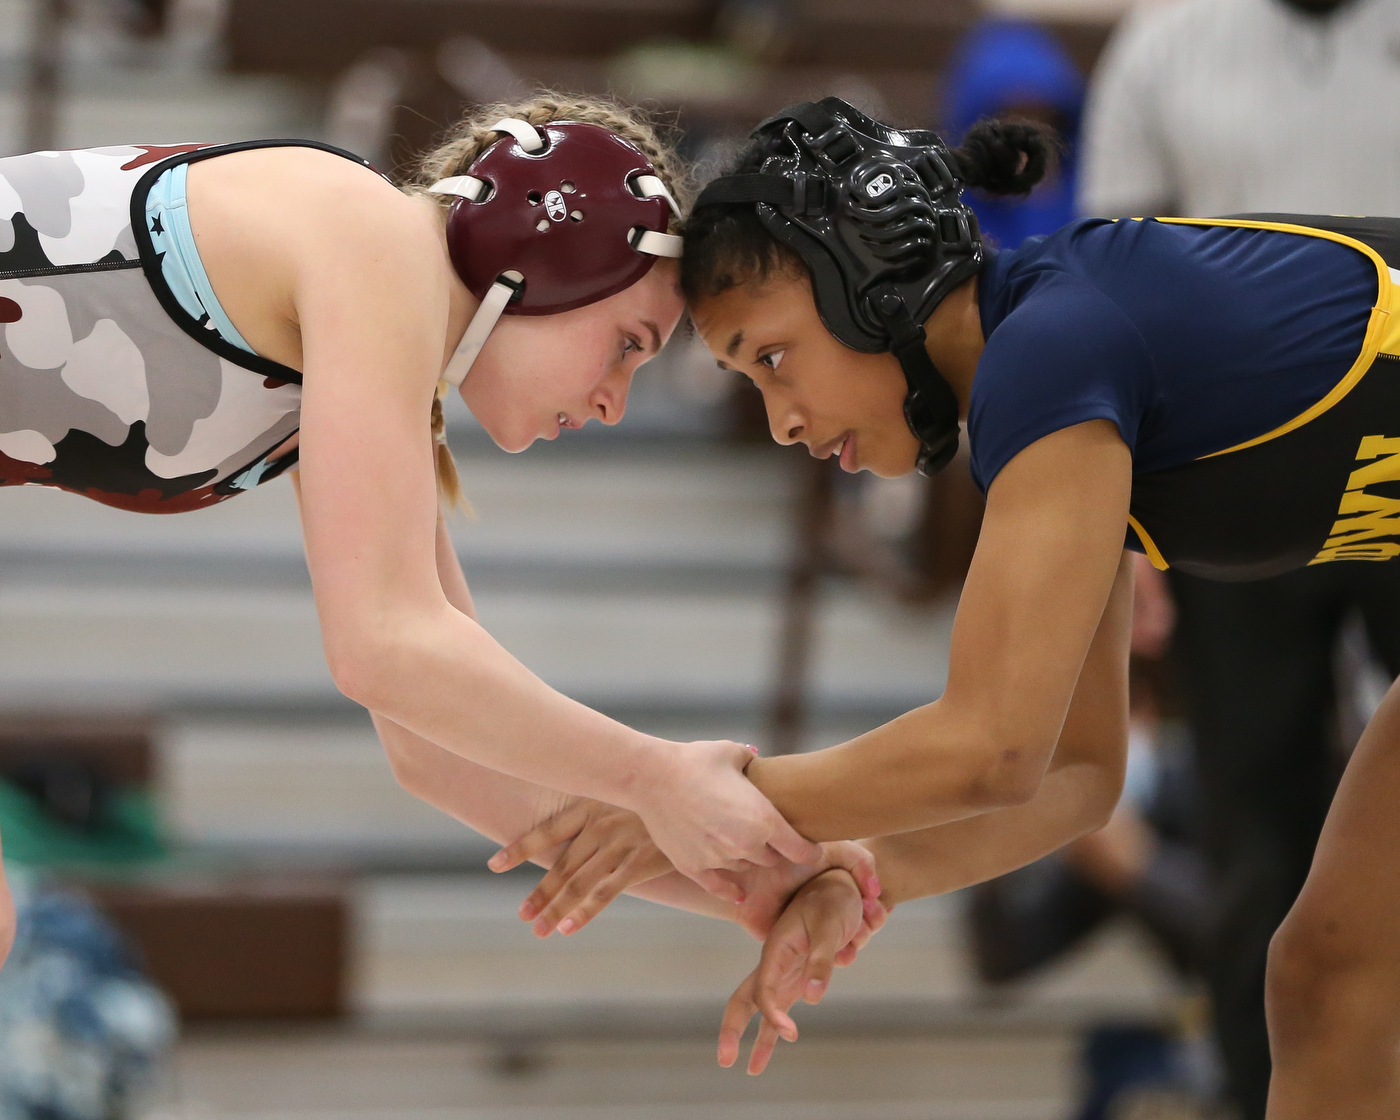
(168, 219)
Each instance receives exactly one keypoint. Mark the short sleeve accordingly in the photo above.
(1066, 355)
(1126, 167)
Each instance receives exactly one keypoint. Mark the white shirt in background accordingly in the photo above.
(1213, 107)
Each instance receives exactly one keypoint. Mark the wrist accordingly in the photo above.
(834, 880)
(646, 774)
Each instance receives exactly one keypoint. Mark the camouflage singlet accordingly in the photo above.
(108, 386)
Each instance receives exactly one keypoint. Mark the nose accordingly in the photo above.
(783, 422)
(609, 399)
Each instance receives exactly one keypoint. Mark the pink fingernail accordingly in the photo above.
(567, 926)
(874, 885)
(752, 748)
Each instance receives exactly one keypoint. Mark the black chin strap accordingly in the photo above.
(931, 408)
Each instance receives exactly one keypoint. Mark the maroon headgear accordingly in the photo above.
(546, 223)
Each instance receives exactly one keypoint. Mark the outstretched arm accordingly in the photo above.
(1077, 795)
(373, 325)
(496, 805)
(1046, 560)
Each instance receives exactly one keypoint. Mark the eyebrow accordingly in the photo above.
(655, 336)
(734, 343)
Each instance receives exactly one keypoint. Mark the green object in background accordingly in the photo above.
(129, 832)
(674, 70)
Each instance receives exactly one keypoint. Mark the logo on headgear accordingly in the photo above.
(554, 206)
(879, 185)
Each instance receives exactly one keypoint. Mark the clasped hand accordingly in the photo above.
(597, 851)
(704, 814)
(812, 916)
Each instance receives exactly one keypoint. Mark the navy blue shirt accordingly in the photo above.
(1190, 339)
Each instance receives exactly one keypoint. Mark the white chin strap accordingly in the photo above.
(649, 241)
(493, 305)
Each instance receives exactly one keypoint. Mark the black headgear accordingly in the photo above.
(876, 215)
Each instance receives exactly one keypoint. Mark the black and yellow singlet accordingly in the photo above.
(1251, 364)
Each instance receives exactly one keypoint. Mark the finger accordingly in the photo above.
(847, 956)
(558, 829)
(791, 844)
(737, 1013)
(596, 901)
(768, 857)
(763, 1046)
(875, 914)
(860, 863)
(573, 892)
(570, 862)
(717, 885)
(816, 977)
(872, 921)
(774, 1010)
(546, 889)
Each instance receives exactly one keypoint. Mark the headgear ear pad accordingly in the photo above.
(567, 217)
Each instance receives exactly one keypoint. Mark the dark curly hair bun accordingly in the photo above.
(1006, 157)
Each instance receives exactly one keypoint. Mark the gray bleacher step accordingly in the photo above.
(685, 510)
(359, 1075)
(463, 1015)
(449, 950)
(86, 647)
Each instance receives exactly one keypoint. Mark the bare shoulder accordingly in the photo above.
(309, 200)
(288, 234)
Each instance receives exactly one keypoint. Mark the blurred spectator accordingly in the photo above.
(1229, 106)
(1226, 107)
(1009, 68)
(80, 1028)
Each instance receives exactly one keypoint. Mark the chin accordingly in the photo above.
(892, 470)
(512, 441)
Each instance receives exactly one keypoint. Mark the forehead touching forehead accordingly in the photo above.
(656, 296)
(778, 303)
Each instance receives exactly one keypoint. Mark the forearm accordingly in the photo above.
(441, 676)
(498, 806)
(1072, 800)
(503, 808)
(1076, 796)
(679, 893)
(517, 726)
(1031, 607)
(929, 767)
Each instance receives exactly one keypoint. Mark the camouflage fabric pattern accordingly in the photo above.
(102, 393)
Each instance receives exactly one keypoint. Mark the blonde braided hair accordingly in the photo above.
(473, 134)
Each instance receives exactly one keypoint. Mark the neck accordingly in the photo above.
(954, 340)
(462, 304)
